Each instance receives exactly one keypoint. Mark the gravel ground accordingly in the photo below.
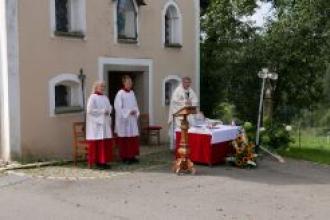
(149, 160)
(294, 190)
(150, 156)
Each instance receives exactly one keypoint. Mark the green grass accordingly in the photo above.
(312, 147)
(316, 155)
(311, 139)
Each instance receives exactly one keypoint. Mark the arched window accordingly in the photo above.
(172, 26)
(169, 85)
(68, 17)
(65, 94)
(126, 19)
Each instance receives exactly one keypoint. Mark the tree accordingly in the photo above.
(295, 44)
(229, 58)
(204, 4)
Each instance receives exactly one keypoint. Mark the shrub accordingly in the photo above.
(275, 135)
(250, 131)
(225, 112)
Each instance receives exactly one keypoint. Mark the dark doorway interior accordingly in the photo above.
(115, 84)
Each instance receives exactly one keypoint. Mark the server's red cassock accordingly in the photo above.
(99, 151)
(128, 147)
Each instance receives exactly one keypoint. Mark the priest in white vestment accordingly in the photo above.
(182, 96)
(98, 127)
(126, 127)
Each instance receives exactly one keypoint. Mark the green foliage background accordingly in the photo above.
(295, 43)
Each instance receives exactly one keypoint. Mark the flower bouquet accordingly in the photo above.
(244, 152)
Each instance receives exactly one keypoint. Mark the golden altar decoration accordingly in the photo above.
(183, 164)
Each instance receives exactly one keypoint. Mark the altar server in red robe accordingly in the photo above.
(126, 127)
(98, 127)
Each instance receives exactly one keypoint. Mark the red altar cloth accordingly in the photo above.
(202, 151)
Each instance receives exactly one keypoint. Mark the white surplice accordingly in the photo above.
(179, 98)
(98, 120)
(126, 123)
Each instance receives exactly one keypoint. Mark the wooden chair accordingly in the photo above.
(148, 131)
(80, 146)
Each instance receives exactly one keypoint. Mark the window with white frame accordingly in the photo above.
(68, 17)
(170, 84)
(126, 20)
(65, 94)
(172, 26)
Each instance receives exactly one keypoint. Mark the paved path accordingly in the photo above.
(295, 190)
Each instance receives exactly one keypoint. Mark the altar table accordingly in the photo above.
(209, 146)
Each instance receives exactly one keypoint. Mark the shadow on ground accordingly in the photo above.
(269, 171)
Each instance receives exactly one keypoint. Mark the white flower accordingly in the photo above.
(250, 162)
(288, 128)
(262, 129)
